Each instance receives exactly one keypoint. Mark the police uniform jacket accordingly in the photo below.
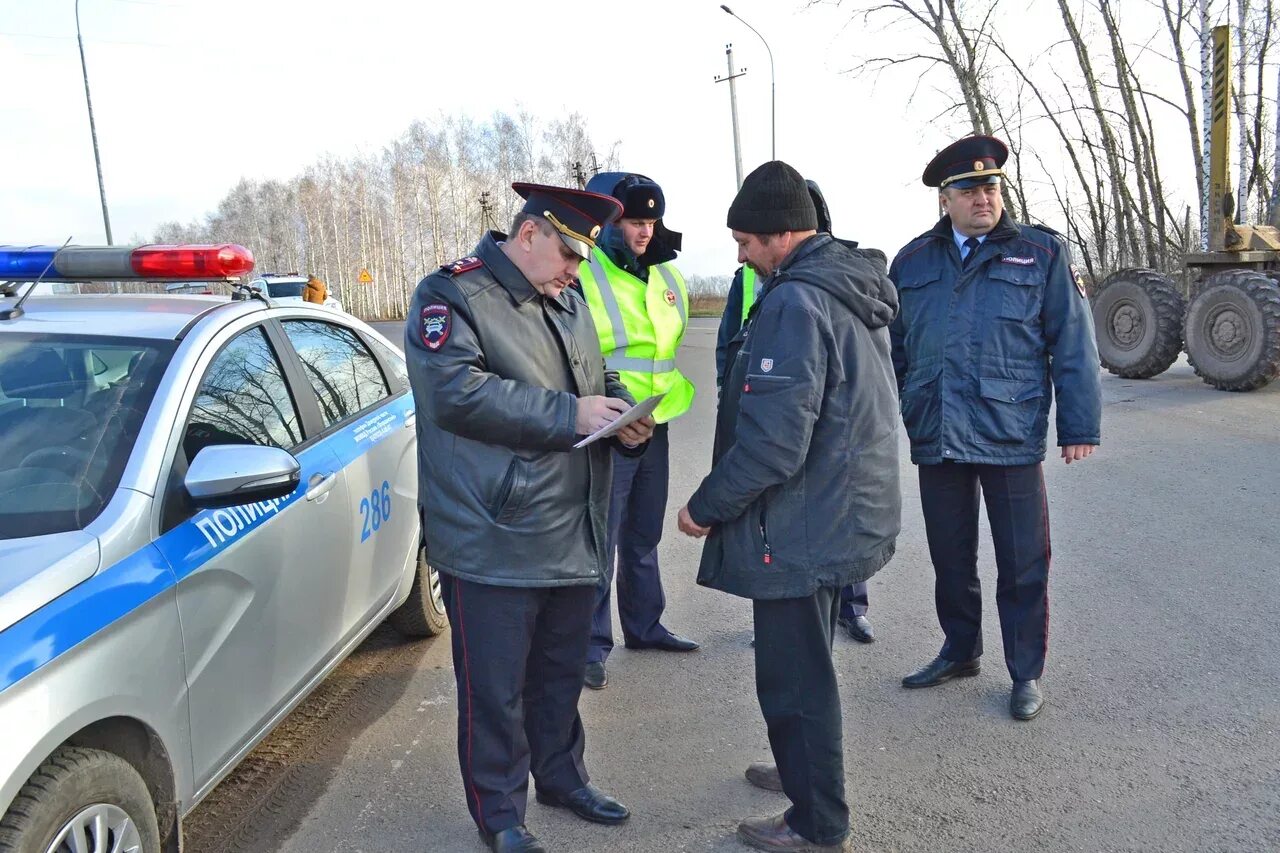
(980, 350)
(497, 370)
(804, 492)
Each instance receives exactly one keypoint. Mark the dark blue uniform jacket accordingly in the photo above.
(980, 352)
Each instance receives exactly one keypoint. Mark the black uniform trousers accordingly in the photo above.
(796, 686)
(854, 601)
(637, 507)
(518, 656)
(1018, 512)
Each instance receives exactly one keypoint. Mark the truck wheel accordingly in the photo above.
(81, 799)
(1233, 330)
(422, 615)
(1137, 316)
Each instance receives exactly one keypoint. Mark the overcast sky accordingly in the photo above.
(190, 96)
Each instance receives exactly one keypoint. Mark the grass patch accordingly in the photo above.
(706, 306)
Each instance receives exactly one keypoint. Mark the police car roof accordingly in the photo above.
(160, 316)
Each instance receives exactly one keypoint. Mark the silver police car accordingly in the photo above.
(205, 504)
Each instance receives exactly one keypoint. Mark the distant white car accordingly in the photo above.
(284, 289)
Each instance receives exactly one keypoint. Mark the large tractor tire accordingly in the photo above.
(1233, 330)
(1137, 316)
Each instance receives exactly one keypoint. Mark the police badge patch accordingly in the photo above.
(766, 365)
(435, 325)
(1079, 280)
(670, 296)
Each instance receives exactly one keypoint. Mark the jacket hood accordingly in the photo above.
(856, 277)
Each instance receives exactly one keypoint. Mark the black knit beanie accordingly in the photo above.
(774, 198)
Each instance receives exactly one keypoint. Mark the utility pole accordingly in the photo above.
(487, 220)
(579, 175)
(733, 109)
(93, 132)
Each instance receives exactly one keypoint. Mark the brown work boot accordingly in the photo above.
(764, 775)
(772, 833)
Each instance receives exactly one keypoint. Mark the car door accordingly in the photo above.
(260, 587)
(368, 418)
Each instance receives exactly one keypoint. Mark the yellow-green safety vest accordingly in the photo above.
(750, 291)
(640, 327)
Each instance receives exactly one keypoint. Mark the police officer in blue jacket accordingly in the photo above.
(994, 324)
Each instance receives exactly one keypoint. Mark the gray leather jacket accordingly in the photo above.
(496, 371)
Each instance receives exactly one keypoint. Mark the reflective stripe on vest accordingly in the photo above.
(640, 326)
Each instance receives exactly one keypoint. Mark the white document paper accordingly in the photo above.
(635, 413)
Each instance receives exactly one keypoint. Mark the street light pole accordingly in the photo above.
(773, 87)
(93, 132)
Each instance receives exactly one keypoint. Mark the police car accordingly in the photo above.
(205, 504)
(287, 289)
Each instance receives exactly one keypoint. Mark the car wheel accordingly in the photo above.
(81, 799)
(422, 615)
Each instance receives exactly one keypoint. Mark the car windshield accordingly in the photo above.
(70, 409)
(281, 289)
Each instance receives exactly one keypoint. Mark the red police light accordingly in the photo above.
(225, 260)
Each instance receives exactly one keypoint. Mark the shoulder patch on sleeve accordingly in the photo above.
(463, 265)
(1079, 280)
(435, 324)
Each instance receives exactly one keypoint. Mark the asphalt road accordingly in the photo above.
(1163, 682)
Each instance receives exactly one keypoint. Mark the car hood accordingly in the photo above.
(38, 569)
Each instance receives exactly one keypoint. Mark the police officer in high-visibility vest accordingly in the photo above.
(743, 293)
(640, 306)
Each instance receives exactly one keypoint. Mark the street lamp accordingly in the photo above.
(773, 86)
(93, 132)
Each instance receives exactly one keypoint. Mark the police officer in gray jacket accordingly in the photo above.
(507, 374)
(803, 493)
(994, 326)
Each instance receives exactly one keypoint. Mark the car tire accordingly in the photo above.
(422, 615)
(74, 789)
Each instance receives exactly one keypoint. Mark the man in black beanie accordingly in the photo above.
(803, 493)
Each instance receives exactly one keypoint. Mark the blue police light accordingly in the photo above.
(26, 263)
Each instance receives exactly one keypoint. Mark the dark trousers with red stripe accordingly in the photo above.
(1019, 516)
(518, 656)
(637, 507)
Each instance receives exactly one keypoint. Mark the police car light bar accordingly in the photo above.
(215, 262)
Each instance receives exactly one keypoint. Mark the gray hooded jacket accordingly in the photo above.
(804, 490)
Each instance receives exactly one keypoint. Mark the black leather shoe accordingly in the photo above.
(517, 839)
(595, 677)
(1026, 700)
(669, 643)
(588, 803)
(764, 775)
(939, 670)
(772, 833)
(859, 627)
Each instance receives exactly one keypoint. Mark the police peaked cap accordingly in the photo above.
(577, 215)
(966, 163)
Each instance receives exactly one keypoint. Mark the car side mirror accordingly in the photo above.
(232, 474)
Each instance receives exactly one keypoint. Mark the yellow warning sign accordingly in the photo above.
(364, 277)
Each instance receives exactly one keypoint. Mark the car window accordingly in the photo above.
(71, 407)
(243, 399)
(393, 359)
(340, 368)
(283, 289)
